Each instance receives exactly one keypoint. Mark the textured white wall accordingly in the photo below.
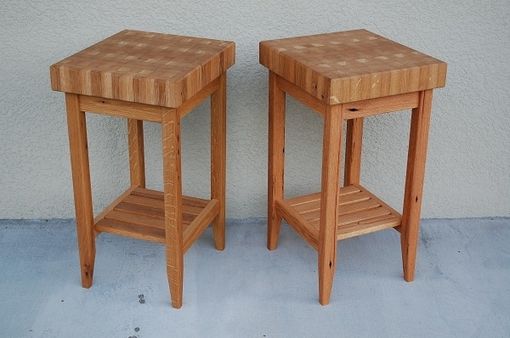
(469, 151)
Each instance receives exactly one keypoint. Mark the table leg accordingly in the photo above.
(77, 127)
(417, 153)
(276, 158)
(329, 197)
(218, 158)
(354, 139)
(172, 203)
(136, 152)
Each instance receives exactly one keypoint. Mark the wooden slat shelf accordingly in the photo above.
(139, 213)
(360, 212)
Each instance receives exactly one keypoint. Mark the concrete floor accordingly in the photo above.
(462, 285)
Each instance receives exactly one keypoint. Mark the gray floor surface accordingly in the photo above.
(462, 286)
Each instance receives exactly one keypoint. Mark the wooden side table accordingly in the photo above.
(347, 76)
(152, 77)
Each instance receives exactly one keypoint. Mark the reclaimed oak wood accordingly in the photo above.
(329, 200)
(140, 213)
(145, 76)
(77, 127)
(354, 75)
(417, 154)
(99, 217)
(218, 157)
(296, 221)
(353, 140)
(349, 66)
(359, 212)
(103, 106)
(380, 105)
(300, 95)
(144, 67)
(136, 153)
(200, 223)
(190, 104)
(353, 110)
(276, 159)
(170, 132)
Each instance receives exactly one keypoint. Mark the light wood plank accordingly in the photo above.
(128, 229)
(112, 205)
(136, 153)
(158, 195)
(362, 215)
(149, 211)
(302, 96)
(312, 208)
(387, 104)
(354, 140)
(190, 205)
(145, 201)
(344, 191)
(367, 226)
(130, 110)
(380, 201)
(137, 219)
(313, 215)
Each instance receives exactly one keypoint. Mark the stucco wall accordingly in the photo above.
(469, 150)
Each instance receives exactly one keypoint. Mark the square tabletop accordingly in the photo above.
(144, 67)
(350, 66)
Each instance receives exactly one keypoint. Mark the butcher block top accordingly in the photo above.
(351, 66)
(144, 67)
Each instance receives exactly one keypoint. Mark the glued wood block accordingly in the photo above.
(350, 66)
(144, 67)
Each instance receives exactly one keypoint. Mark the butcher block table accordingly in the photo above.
(144, 76)
(347, 76)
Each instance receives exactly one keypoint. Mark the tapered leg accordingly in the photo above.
(353, 146)
(329, 196)
(77, 126)
(218, 158)
(418, 139)
(172, 195)
(276, 158)
(136, 155)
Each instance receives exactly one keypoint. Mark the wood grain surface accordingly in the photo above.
(139, 213)
(360, 212)
(350, 66)
(144, 67)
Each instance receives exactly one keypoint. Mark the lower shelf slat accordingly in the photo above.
(128, 229)
(359, 212)
(139, 213)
